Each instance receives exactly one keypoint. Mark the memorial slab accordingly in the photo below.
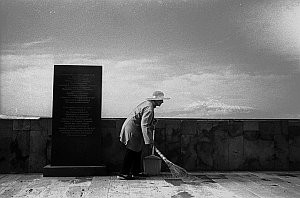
(76, 124)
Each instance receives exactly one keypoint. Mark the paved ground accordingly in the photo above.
(207, 184)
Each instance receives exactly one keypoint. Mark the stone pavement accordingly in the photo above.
(205, 184)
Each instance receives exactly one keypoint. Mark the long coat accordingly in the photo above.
(137, 128)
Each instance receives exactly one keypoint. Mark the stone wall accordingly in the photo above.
(25, 145)
(196, 145)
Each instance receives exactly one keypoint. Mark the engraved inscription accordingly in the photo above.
(77, 96)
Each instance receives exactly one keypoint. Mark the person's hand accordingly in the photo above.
(150, 145)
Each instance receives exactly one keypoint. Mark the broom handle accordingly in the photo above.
(160, 154)
(153, 140)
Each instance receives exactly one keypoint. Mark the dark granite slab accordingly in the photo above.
(76, 136)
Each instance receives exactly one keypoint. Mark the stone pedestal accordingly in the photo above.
(71, 171)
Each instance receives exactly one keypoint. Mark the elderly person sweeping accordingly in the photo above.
(137, 131)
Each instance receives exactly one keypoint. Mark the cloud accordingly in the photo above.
(18, 47)
(14, 62)
(36, 43)
(24, 55)
(26, 84)
(139, 1)
(116, 69)
(26, 91)
(274, 27)
(226, 94)
(213, 107)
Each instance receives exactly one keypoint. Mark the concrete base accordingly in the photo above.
(74, 171)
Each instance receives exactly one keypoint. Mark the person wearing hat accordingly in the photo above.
(137, 130)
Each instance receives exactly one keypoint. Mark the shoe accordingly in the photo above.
(124, 177)
(140, 175)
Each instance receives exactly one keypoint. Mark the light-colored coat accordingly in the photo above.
(137, 128)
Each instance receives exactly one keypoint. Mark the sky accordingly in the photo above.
(213, 58)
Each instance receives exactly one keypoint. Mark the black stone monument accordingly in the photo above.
(76, 120)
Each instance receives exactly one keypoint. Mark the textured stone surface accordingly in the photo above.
(35, 125)
(294, 145)
(196, 145)
(189, 151)
(203, 127)
(21, 124)
(112, 149)
(19, 151)
(5, 138)
(268, 129)
(220, 150)
(173, 141)
(49, 126)
(235, 153)
(294, 128)
(294, 153)
(108, 124)
(281, 151)
(206, 185)
(235, 129)
(251, 125)
(5, 154)
(285, 127)
(205, 145)
(188, 127)
(37, 157)
(258, 154)
(5, 128)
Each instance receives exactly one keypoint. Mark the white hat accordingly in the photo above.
(158, 95)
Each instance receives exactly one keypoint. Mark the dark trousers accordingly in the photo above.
(132, 162)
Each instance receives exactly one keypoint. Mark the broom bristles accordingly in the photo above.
(176, 170)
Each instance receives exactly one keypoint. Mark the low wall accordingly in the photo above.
(196, 145)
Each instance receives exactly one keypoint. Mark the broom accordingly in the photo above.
(176, 171)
